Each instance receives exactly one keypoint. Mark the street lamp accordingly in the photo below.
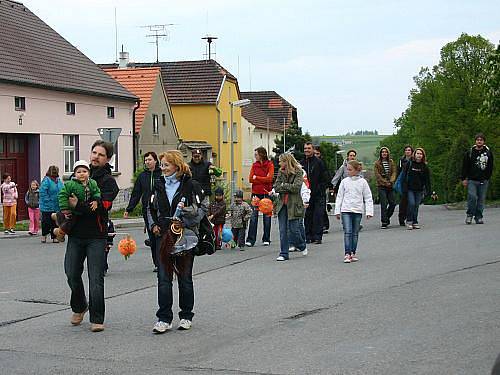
(237, 103)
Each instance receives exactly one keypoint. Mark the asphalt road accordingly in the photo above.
(418, 302)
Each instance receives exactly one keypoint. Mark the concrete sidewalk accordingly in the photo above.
(136, 222)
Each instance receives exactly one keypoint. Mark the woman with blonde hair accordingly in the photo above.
(176, 198)
(289, 207)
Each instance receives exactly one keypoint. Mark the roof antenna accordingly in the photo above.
(209, 40)
(159, 32)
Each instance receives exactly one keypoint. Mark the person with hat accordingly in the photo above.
(241, 212)
(201, 171)
(81, 186)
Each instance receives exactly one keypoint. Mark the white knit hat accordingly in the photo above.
(81, 163)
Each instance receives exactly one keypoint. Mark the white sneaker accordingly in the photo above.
(184, 325)
(280, 259)
(291, 249)
(266, 243)
(161, 327)
(249, 244)
(347, 258)
(7, 232)
(304, 252)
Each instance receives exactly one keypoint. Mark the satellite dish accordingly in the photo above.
(109, 134)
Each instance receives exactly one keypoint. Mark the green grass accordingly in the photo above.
(21, 225)
(365, 145)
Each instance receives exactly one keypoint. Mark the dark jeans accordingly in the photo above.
(239, 236)
(403, 207)
(184, 270)
(387, 204)
(152, 241)
(414, 200)
(48, 225)
(476, 195)
(76, 251)
(290, 233)
(254, 221)
(313, 219)
(350, 223)
(326, 221)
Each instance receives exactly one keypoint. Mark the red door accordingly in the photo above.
(14, 160)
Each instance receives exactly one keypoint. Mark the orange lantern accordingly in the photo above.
(266, 206)
(127, 247)
(255, 201)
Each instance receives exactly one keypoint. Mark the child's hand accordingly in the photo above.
(338, 216)
(369, 217)
(72, 200)
(93, 205)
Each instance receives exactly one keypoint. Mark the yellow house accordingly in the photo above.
(202, 95)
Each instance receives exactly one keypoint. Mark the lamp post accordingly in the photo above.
(237, 103)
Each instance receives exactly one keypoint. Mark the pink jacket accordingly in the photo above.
(9, 194)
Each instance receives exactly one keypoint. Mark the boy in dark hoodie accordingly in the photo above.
(217, 215)
(385, 173)
(476, 172)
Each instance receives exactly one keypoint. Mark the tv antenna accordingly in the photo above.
(158, 32)
(209, 40)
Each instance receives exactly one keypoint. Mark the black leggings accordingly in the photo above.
(48, 224)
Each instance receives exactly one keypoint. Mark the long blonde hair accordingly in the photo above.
(292, 166)
(175, 157)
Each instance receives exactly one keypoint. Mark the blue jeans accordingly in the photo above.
(414, 200)
(254, 221)
(290, 232)
(351, 222)
(302, 231)
(183, 266)
(476, 195)
(76, 251)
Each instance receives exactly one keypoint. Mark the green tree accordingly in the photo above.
(329, 156)
(443, 114)
(293, 138)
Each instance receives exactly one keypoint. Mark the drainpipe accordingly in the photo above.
(134, 137)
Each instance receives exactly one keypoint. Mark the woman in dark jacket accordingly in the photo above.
(417, 185)
(176, 196)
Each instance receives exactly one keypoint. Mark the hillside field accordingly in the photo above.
(365, 145)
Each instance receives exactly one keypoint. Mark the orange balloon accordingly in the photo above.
(127, 247)
(266, 206)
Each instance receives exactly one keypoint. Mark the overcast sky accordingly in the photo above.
(345, 65)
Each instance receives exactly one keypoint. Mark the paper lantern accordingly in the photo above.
(266, 206)
(127, 247)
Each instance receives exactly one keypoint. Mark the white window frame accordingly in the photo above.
(20, 103)
(70, 108)
(225, 132)
(110, 112)
(234, 132)
(70, 147)
(156, 125)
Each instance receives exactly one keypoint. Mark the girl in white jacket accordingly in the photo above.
(354, 197)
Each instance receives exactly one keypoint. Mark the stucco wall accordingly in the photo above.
(45, 115)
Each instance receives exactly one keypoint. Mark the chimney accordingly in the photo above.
(123, 59)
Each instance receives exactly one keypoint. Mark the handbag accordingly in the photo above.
(403, 176)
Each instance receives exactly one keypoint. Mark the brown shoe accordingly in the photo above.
(77, 318)
(59, 233)
(97, 327)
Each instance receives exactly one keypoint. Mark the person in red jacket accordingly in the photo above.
(261, 178)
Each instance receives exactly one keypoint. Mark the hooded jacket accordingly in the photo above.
(385, 180)
(477, 164)
(218, 210)
(87, 193)
(264, 172)
(142, 189)
(201, 173)
(49, 190)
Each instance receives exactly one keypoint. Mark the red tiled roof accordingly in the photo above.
(141, 82)
(273, 105)
(258, 118)
(33, 54)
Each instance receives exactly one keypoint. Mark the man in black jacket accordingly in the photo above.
(88, 240)
(476, 172)
(317, 175)
(201, 171)
(142, 192)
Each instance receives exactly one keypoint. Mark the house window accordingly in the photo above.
(155, 124)
(70, 108)
(225, 131)
(20, 103)
(234, 132)
(164, 119)
(260, 135)
(111, 112)
(70, 149)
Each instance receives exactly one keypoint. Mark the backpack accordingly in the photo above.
(206, 238)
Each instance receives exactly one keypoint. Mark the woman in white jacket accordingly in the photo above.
(354, 197)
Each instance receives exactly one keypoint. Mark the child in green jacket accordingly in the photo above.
(80, 186)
